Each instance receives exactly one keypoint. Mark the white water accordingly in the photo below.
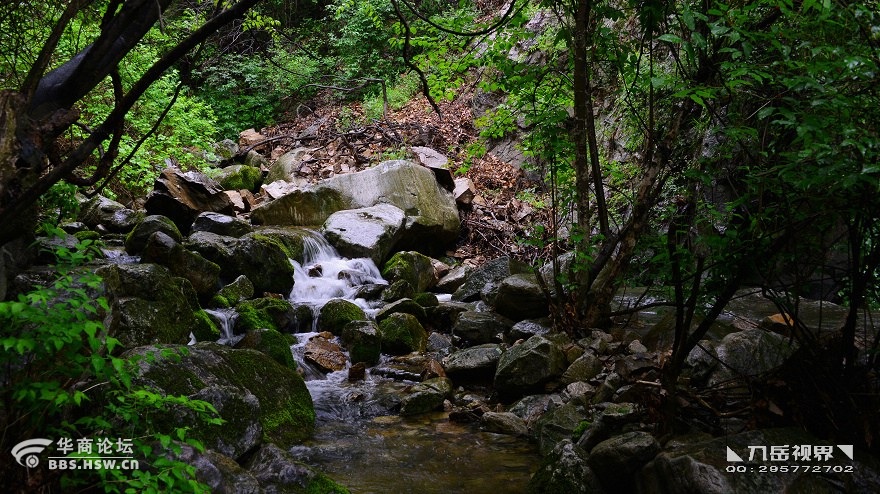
(325, 275)
(226, 318)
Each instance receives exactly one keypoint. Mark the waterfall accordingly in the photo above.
(225, 318)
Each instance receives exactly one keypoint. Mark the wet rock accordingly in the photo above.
(618, 459)
(136, 240)
(232, 294)
(426, 300)
(520, 297)
(148, 305)
(270, 342)
(477, 363)
(398, 290)
(401, 333)
(362, 340)
(426, 396)
(102, 214)
(285, 406)
(240, 177)
(325, 354)
(265, 261)
(203, 274)
(528, 367)
(278, 471)
(443, 317)
(565, 469)
(453, 279)
(585, 368)
(337, 313)
(492, 272)
(610, 420)
(558, 424)
(481, 327)
(609, 386)
(369, 232)
(183, 196)
(222, 474)
(268, 313)
(357, 372)
(525, 329)
(531, 408)
(433, 369)
(750, 352)
(413, 267)
(221, 224)
(579, 392)
(405, 306)
(503, 423)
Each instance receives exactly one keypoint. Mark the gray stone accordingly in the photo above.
(183, 196)
(557, 425)
(453, 279)
(503, 423)
(278, 471)
(288, 164)
(203, 274)
(404, 305)
(528, 367)
(525, 329)
(370, 232)
(618, 459)
(750, 352)
(137, 238)
(222, 474)
(492, 272)
(520, 297)
(426, 396)
(101, 213)
(411, 266)
(477, 363)
(481, 327)
(221, 224)
(565, 470)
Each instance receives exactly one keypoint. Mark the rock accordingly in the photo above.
(285, 411)
(270, 342)
(183, 196)
(370, 232)
(267, 313)
(491, 272)
(222, 474)
(401, 333)
(277, 189)
(636, 346)
(525, 329)
(531, 408)
(265, 261)
(413, 267)
(148, 305)
(432, 218)
(288, 164)
(477, 363)
(337, 313)
(611, 420)
(618, 459)
(256, 160)
(557, 425)
(566, 470)
(221, 224)
(426, 300)
(481, 327)
(100, 213)
(503, 423)
(528, 367)
(240, 177)
(439, 344)
(464, 191)
(444, 316)
(453, 279)
(585, 368)
(137, 238)
(325, 354)
(437, 163)
(426, 396)
(278, 471)
(362, 340)
(225, 150)
(249, 137)
(203, 274)
(750, 352)
(234, 293)
(579, 392)
(520, 297)
(404, 305)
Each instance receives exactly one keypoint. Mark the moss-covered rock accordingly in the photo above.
(285, 411)
(404, 305)
(414, 267)
(336, 313)
(426, 299)
(361, 338)
(238, 177)
(205, 329)
(136, 240)
(232, 294)
(426, 396)
(278, 471)
(270, 342)
(266, 313)
(397, 290)
(266, 262)
(87, 235)
(202, 273)
(402, 333)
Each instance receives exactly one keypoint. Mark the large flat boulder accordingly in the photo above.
(371, 232)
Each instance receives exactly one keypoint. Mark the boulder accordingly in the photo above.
(324, 353)
(404, 305)
(370, 232)
(240, 177)
(183, 196)
(222, 474)
(306, 206)
(437, 163)
(618, 459)
(361, 338)
(477, 363)
(452, 280)
(464, 191)
(337, 313)
(503, 423)
(265, 261)
(520, 297)
(267, 313)
(137, 238)
(401, 334)
(202, 273)
(397, 290)
(412, 267)
(585, 368)
(221, 224)
(750, 352)
(426, 396)
(270, 342)
(148, 305)
(527, 328)
(559, 424)
(284, 412)
(565, 469)
(288, 164)
(481, 327)
(277, 471)
(528, 367)
(490, 273)
(238, 290)
(100, 213)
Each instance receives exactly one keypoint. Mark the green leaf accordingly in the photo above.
(670, 38)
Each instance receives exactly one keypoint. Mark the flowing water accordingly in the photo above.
(361, 442)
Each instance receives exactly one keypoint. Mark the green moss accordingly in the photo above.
(336, 313)
(220, 301)
(242, 177)
(414, 267)
(270, 342)
(266, 312)
(426, 299)
(204, 328)
(580, 429)
(87, 235)
(274, 242)
(402, 333)
(322, 484)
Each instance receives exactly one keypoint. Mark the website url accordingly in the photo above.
(92, 464)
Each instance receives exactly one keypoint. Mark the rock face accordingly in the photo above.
(148, 305)
(273, 394)
(370, 232)
(526, 367)
(431, 215)
(183, 196)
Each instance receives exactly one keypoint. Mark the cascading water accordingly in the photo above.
(226, 321)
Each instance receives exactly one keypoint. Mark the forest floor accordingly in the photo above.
(508, 204)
